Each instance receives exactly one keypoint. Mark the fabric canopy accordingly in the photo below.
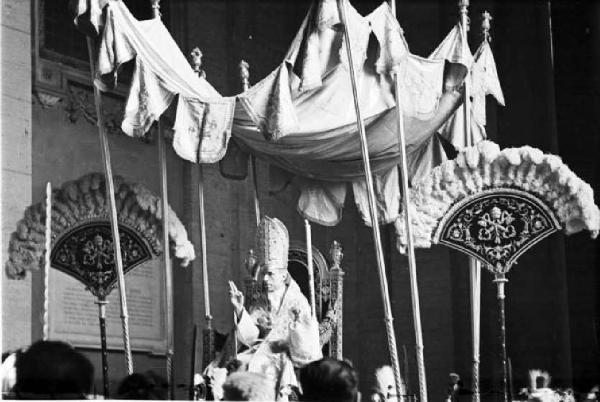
(299, 118)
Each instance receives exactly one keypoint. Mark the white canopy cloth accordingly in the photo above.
(300, 117)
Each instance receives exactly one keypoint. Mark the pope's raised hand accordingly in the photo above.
(237, 298)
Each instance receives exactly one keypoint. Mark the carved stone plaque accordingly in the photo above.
(73, 315)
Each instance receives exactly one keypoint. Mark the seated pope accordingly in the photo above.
(278, 330)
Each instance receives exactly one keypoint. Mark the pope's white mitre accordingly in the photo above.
(272, 243)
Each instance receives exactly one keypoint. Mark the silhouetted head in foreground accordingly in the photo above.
(329, 380)
(148, 385)
(246, 386)
(53, 370)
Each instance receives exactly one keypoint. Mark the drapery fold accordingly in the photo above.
(204, 117)
(483, 79)
(300, 117)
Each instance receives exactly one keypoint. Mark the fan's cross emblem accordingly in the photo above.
(496, 225)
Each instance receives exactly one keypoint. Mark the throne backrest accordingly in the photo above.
(298, 269)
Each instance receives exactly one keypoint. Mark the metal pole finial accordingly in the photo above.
(245, 74)
(464, 12)
(336, 254)
(486, 25)
(251, 263)
(197, 54)
(155, 8)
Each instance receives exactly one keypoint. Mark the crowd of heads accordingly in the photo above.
(56, 370)
(326, 379)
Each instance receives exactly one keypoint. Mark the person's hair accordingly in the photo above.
(148, 385)
(329, 379)
(6, 354)
(246, 386)
(53, 369)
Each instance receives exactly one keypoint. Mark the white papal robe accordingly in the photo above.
(291, 342)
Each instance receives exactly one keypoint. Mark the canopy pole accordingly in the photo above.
(310, 266)
(245, 76)
(48, 245)
(474, 264)
(510, 379)
(110, 190)
(372, 207)
(208, 335)
(255, 189)
(162, 158)
(167, 257)
(412, 262)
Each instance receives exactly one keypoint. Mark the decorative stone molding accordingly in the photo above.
(80, 202)
(48, 100)
(485, 170)
(80, 104)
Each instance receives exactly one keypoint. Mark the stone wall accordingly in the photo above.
(16, 160)
(64, 150)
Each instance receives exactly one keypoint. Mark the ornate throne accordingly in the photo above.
(328, 289)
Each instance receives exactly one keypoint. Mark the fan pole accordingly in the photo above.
(110, 193)
(372, 207)
(475, 295)
(412, 262)
(101, 302)
(192, 388)
(500, 280)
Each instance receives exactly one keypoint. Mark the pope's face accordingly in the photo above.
(273, 278)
